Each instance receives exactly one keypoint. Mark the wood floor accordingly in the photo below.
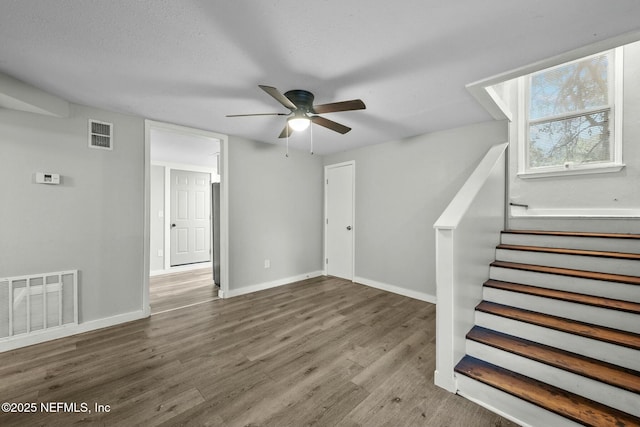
(321, 352)
(177, 290)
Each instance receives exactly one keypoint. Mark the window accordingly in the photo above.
(573, 117)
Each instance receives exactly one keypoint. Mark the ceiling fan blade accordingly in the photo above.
(275, 93)
(258, 114)
(283, 134)
(354, 104)
(330, 124)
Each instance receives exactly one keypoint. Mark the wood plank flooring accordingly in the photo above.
(176, 290)
(321, 352)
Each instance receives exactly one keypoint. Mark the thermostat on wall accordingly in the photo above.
(47, 178)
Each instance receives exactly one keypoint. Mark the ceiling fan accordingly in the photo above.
(303, 112)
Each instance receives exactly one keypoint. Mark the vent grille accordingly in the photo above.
(38, 302)
(100, 135)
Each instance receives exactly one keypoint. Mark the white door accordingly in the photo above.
(190, 217)
(339, 221)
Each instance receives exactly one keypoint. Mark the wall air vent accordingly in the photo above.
(100, 135)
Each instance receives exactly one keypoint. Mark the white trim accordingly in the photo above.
(146, 220)
(617, 108)
(67, 330)
(351, 163)
(224, 217)
(273, 284)
(422, 296)
(571, 170)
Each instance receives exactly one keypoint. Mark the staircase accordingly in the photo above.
(556, 340)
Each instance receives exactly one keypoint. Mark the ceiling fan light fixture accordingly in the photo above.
(299, 102)
(299, 123)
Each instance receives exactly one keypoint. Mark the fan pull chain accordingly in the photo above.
(311, 135)
(287, 154)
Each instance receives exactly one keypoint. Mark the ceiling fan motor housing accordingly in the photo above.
(303, 99)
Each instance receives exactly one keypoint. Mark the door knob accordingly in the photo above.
(349, 227)
(173, 225)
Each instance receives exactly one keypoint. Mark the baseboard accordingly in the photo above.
(268, 285)
(37, 337)
(396, 290)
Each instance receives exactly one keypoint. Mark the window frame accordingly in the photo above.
(615, 118)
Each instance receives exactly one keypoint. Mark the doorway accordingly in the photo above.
(181, 165)
(340, 220)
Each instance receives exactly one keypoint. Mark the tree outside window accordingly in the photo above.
(570, 109)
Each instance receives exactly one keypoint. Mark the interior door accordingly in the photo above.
(190, 235)
(339, 222)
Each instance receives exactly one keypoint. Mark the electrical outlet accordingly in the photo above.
(267, 263)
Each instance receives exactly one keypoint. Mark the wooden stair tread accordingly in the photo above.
(595, 301)
(564, 251)
(601, 333)
(604, 372)
(575, 234)
(554, 399)
(631, 280)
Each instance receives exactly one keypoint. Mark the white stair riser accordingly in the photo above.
(595, 390)
(576, 224)
(621, 356)
(584, 313)
(614, 290)
(519, 411)
(631, 246)
(577, 262)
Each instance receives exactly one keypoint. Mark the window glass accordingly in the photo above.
(576, 140)
(570, 88)
(569, 112)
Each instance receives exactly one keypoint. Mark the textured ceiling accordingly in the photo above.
(192, 62)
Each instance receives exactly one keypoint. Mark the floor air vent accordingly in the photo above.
(38, 303)
(100, 135)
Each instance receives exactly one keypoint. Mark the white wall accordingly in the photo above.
(275, 213)
(402, 187)
(92, 221)
(619, 190)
